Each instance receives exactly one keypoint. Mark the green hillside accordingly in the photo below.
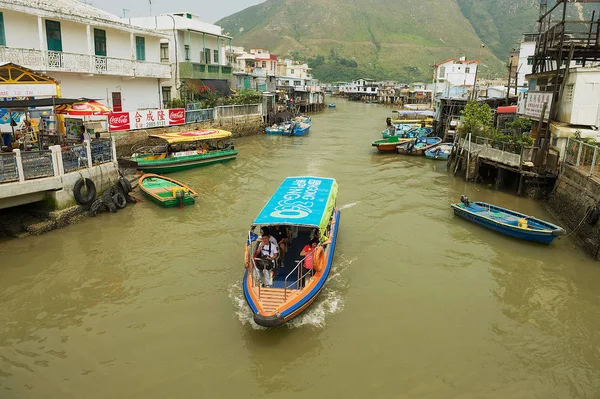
(384, 39)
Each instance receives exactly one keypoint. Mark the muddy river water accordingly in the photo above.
(147, 303)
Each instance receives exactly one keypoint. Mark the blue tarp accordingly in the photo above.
(300, 201)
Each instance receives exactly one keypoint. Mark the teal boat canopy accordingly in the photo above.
(300, 201)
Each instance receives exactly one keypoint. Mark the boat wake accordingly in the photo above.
(330, 301)
(348, 206)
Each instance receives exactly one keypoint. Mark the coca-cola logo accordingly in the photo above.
(177, 114)
(119, 120)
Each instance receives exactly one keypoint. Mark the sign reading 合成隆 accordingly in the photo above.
(534, 104)
(145, 119)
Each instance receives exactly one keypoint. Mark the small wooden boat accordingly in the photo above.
(508, 222)
(390, 144)
(406, 131)
(167, 192)
(185, 150)
(418, 146)
(293, 288)
(331, 105)
(294, 128)
(441, 152)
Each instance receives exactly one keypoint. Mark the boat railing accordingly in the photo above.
(300, 274)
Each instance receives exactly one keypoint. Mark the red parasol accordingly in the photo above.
(83, 108)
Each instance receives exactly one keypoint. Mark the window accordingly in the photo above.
(216, 58)
(186, 49)
(164, 52)
(166, 94)
(207, 56)
(100, 42)
(2, 35)
(442, 72)
(140, 48)
(53, 36)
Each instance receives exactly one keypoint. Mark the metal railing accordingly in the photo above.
(101, 151)
(74, 158)
(8, 168)
(583, 156)
(37, 164)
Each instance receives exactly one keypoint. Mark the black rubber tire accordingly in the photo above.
(119, 200)
(91, 191)
(107, 198)
(112, 207)
(125, 185)
(97, 207)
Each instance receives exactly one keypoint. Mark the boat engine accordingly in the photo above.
(465, 200)
(180, 194)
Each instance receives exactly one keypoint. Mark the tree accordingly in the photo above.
(477, 119)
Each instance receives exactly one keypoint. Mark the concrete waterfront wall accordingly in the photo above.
(573, 194)
(239, 126)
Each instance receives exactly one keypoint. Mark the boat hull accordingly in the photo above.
(539, 236)
(170, 165)
(165, 186)
(303, 301)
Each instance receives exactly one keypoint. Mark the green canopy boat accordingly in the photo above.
(167, 192)
(185, 150)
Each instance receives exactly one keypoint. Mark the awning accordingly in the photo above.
(192, 136)
(42, 102)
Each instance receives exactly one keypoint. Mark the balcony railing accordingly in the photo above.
(83, 63)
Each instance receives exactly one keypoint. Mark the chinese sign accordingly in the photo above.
(145, 119)
(534, 103)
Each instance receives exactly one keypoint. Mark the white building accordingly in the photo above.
(90, 52)
(455, 73)
(199, 52)
(362, 86)
(526, 51)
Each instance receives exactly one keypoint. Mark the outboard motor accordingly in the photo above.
(465, 200)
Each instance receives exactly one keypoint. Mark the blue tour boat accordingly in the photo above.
(508, 222)
(304, 205)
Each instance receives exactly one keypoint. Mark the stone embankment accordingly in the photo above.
(239, 126)
(573, 195)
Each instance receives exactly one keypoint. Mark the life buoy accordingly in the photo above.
(246, 257)
(319, 259)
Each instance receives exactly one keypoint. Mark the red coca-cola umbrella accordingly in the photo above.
(83, 108)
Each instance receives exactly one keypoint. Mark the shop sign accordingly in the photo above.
(145, 119)
(532, 104)
(27, 90)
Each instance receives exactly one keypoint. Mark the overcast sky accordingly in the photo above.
(208, 10)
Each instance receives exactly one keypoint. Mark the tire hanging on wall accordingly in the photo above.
(91, 191)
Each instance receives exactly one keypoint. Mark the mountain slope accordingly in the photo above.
(387, 40)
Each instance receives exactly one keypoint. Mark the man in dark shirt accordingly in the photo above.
(280, 234)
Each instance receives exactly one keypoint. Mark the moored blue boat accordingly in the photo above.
(441, 152)
(305, 206)
(289, 129)
(505, 221)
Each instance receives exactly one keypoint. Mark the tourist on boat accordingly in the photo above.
(281, 237)
(266, 231)
(307, 253)
(265, 257)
